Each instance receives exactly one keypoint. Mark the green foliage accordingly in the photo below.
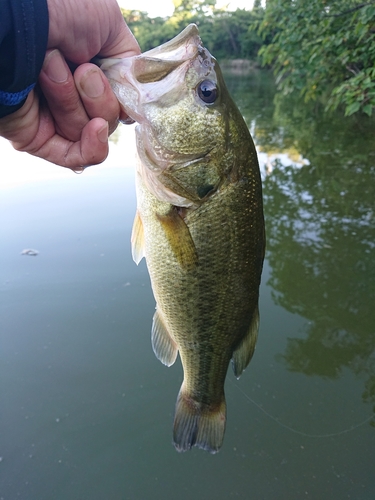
(226, 34)
(150, 32)
(323, 48)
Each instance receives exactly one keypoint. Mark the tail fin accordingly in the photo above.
(196, 424)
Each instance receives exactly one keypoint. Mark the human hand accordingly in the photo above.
(67, 120)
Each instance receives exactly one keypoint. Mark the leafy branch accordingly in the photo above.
(329, 57)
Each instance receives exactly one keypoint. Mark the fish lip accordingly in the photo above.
(178, 47)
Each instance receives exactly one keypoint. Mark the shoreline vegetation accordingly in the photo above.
(239, 66)
(323, 50)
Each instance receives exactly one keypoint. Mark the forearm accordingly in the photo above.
(23, 43)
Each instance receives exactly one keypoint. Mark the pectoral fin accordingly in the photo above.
(138, 240)
(180, 240)
(244, 352)
(164, 347)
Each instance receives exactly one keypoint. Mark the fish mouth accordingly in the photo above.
(148, 77)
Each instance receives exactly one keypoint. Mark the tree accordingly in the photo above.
(230, 35)
(226, 34)
(323, 48)
(150, 32)
(194, 6)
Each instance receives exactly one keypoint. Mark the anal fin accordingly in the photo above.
(244, 352)
(164, 346)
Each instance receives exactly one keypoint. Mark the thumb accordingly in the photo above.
(121, 42)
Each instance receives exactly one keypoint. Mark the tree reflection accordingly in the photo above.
(320, 221)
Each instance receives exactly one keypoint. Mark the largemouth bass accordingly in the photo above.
(199, 223)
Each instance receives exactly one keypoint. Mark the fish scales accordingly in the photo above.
(199, 224)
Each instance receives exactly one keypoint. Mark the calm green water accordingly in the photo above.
(86, 408)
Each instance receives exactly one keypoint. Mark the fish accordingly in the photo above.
(199, 223)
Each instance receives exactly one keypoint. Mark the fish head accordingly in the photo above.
(177, 95)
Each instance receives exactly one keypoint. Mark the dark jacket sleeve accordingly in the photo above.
(23, 43)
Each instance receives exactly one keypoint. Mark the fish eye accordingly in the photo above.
(207, 91)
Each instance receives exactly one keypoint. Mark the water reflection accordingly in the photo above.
(85, 404)
(319, 208)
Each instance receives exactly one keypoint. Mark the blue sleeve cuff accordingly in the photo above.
(14, 98)
(23, 43)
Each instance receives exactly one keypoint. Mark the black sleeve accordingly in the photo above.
(23, 43)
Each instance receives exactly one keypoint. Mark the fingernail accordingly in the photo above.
(55, 67)
(92, 84)
(103, 133)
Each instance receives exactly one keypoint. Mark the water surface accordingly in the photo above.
(86, 408)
